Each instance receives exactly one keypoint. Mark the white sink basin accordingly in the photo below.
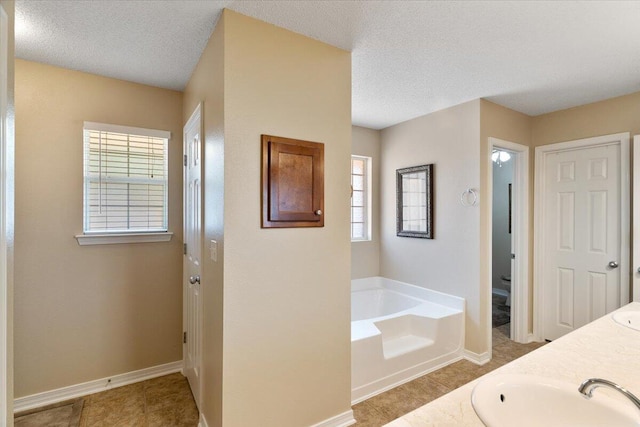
(529, 400)
(630, 319)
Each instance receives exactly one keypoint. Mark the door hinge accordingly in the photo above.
(185, 160)
(184, 337)
(184, 249)
(513, 256)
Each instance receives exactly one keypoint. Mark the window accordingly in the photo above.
(360, 198)
(125, 179)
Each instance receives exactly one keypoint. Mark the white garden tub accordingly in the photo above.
(400, 332)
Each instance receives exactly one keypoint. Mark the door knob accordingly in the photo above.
(613, 264)
(194, 279)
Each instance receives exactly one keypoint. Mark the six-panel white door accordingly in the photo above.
(582, 237)
(192, 304)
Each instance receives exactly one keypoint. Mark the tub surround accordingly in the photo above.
(602, 349)
(400, 332)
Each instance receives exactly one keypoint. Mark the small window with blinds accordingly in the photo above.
(125, 179)
(360, 199)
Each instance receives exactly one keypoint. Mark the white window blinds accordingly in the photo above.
(125, 179)
(360, 204)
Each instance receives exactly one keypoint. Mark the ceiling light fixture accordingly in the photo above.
(500, 157)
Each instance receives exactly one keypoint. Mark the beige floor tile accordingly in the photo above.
(166, 391)
(157, 402)
(186, 411)
(510, 350)
(58, 417)
(456, 374)
(167, 401)
(116, 409)
(164, 401)
(392, 404)
(407, 397)
(115, 393)
(138, 421)
(368, 415)
(165, 417)
(430, 389)
(164, 381)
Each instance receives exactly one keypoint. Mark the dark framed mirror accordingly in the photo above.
(414, 202)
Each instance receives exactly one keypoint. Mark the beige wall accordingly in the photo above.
(8, 190)
(83, 313)
(500, 122)
(451, 261)
(365, 256)
(615, 115)
(206, 86)
(286, 337)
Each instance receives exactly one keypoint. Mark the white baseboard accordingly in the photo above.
(71, 392)
(343, 420)
(531, 338)
(478, 359)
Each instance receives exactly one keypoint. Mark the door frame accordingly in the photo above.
(6, 232)
(635, 266)
(196, 115)
(539, 220)
(520, 246)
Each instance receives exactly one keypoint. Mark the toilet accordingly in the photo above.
(504, 289)
(505, 281)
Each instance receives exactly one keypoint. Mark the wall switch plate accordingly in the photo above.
(213, 248)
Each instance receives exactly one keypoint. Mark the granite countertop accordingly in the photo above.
(602, 349)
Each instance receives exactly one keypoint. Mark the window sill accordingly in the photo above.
(110, 239)
(360, 240)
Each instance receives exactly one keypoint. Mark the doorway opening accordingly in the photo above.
(508, 246)
(501, 240)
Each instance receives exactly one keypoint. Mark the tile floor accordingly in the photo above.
(159, 402)
(62, 414)
(167, 401)
(401, 400)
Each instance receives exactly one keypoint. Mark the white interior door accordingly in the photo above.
(192, 304)
(635, 266)
(582, 241)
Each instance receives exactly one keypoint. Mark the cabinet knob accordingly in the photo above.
(318, 212)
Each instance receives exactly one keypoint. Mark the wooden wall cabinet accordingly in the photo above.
(292, 183)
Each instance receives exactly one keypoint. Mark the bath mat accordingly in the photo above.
(63, 414)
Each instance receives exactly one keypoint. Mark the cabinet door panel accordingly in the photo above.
(292, 183)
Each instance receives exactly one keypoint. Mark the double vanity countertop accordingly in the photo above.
(601, 349)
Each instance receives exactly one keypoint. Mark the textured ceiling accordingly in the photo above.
(410, 58)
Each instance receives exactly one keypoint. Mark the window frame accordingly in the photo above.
(96, 237)
(366, 198)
